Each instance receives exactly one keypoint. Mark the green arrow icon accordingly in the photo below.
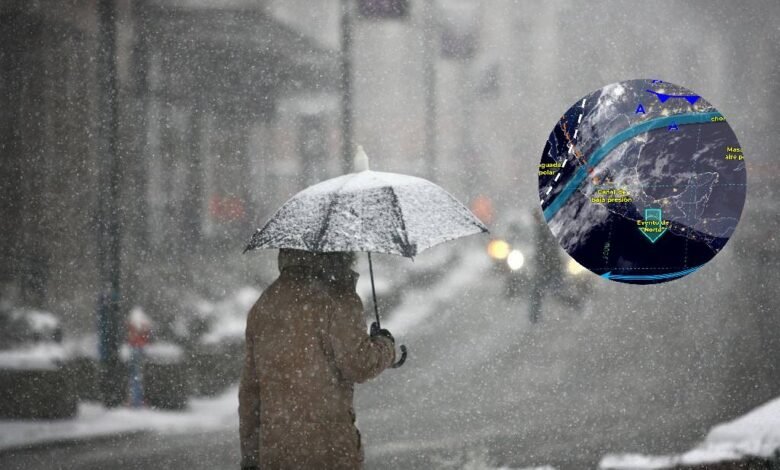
(653, 227)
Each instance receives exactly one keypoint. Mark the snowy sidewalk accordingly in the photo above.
(753, 435)
(95, 421)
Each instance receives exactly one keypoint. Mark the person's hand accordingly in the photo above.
(376, 331)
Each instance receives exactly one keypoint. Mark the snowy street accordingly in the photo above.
(482, 387)
(211, 450)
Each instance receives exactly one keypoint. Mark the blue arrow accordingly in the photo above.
(662, 97)
(649, 277)
(692, 98)
(653, 214)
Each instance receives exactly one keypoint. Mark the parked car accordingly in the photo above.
(165, 380)
(35, 380)
(166, 383)
(213, 336)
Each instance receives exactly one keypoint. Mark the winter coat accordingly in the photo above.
(306, 346)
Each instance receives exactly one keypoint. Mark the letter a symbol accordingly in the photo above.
(640, 109)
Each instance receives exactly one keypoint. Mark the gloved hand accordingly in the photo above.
(376, 331)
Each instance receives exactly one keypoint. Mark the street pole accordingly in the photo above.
(108, 311)
(346, 86)
(468, 157)
(429, 76)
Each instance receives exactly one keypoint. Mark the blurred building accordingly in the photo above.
(220, 104)
(224, 110)
(48, 151)
(228, 107)
(210, 81)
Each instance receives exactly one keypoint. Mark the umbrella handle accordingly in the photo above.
(401, 361)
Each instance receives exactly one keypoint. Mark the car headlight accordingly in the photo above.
(515, 260)
(574, 267)
(498, 249)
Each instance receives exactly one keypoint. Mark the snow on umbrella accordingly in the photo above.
(369, 211)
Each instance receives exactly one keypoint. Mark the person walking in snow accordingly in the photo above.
(139, 332)
(306, 347)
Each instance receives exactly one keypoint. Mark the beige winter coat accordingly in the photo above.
(306, 346)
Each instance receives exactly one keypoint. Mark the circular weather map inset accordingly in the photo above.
(642, 181)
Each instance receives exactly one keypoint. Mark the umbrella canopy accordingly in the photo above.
(368, 211)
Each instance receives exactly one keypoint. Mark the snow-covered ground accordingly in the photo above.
(420, 311)
(93, 420)
(755, 434)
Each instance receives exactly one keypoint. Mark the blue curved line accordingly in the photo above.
(649, 277)
(617, 139)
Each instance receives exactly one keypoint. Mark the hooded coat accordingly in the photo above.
(306, 347)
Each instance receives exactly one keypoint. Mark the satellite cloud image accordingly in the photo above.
(642, 181)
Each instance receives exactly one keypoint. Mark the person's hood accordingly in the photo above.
(332, 267)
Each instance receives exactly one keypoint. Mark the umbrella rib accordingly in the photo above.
(326, 222)
(326, 219)
(404, 234)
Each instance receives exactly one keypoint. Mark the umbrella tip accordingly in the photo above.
(360, 162)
